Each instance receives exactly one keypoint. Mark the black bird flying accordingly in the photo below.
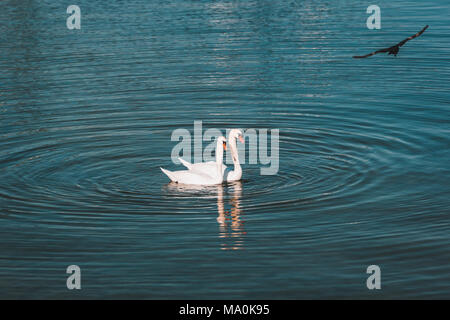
(394, 49)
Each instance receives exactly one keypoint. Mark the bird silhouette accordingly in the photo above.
(394, 49)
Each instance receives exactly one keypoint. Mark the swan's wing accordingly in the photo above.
(209, 168)
(401, 43)
(210, 165)
(201, 166)
(185, 163)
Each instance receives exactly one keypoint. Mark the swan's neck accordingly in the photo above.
(235, 155)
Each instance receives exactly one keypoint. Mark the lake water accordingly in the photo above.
(86, 118)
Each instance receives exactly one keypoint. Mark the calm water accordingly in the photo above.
(86, 118)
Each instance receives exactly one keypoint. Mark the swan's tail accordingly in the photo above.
(169, 174)
(186, 163)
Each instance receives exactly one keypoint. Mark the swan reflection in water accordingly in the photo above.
(230, 221)
(229, 209)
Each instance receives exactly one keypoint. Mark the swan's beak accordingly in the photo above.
(241, 139)
(224, 144)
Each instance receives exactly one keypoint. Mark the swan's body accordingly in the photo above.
(210, 167)
(199, 176)
(192, 177)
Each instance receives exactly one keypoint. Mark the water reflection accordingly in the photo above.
(230, 221)
(231, 229)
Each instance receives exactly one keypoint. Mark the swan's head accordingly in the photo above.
(236, 134)
(222, 140)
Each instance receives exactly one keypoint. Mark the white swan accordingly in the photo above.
(210, 167)
(195, 175)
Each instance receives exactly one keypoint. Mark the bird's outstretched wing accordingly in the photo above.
(401, 43)
(372, 53)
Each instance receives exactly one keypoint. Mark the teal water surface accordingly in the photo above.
(86, 118)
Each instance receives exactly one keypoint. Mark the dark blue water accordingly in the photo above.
(86, 118)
